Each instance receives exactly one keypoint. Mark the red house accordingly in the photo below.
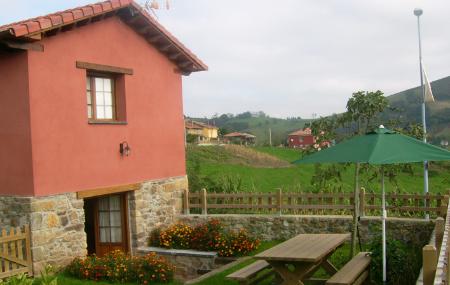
(92, 131)
(301, 138)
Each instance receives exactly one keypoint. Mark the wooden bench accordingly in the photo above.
(355, 272)
(249, 274)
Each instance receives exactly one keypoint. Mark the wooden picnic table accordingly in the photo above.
(305, 254)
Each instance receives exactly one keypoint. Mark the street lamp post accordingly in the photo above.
(418, 12)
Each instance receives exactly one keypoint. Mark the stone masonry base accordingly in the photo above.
(57, 221)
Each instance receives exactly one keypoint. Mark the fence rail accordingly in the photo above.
(436, 263)
(15, 252)
(403, 205)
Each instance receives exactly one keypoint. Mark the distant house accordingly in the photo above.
(239, 138)
(204, 132)
(92, 129)
(301, 138)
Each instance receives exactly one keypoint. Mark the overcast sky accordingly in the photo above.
(292, 57)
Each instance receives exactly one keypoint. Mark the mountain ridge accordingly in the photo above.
(407, 103)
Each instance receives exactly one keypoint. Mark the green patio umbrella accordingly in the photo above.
(379, 147)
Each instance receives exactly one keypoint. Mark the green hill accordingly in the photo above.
(259, 125)
(409, 102)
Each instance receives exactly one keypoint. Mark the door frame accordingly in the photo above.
(124, 219)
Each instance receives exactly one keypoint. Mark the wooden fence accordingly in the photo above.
(301, 203)
(436, 257)
(15, 252)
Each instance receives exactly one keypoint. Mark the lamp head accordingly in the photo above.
(418, 12)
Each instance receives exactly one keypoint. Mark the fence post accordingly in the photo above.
(186, 202)
(439, 231)
(429, 264)
(362, 202)
(204, 202)
(279, 201)
(439, 197)
(28, 249)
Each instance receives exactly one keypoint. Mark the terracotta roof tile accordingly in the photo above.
(305, 132)
(106, 6)
(77, 14)
(237, 134)
(87, 11)
(33, 27)
(44, 23)
(97, 8)
(115, 3)
(67, 17)
(20, 30)
(55, 20)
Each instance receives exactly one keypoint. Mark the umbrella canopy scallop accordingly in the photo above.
(381, 146)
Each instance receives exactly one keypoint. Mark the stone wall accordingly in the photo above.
(189, 264)
(275, 227)
(57, 230)
(56, 224)
(14, 211)
(156, 204)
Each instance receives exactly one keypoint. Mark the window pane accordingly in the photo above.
(108, 112)
(88, 83)
(104, 219)
(99, 84)
(100, 98)
(115, 219)
(116, 235)
(108, 98)
(89, 111)
(107, 84)
(103, 204)
(100, 112)
(114, 202)
(105, 235)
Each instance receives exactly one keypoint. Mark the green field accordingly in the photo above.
(217, 164)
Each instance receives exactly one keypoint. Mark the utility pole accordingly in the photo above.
(270, 136)
(418, 12)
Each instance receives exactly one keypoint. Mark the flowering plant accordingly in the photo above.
(117, 266)
(208, 237)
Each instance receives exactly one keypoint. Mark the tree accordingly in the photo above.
(362, 110)
(363, 107)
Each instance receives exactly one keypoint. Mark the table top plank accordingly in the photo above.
(304, 247)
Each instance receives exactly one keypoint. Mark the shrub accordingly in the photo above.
(403, 262)
(120, 267)
(20, 279)
(176, 236)
(48, 277)
(208, 237)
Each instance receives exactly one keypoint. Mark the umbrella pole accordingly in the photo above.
(383, 223)
(355, 211)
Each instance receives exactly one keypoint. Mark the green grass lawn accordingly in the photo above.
(66, 280)
(298, 177)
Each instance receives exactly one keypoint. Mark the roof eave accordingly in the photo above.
(127, 10)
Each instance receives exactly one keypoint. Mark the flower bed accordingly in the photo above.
(205, 237)
(120, 267)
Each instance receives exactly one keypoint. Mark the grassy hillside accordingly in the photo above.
(259, 124)
(220, 165)
(438, 113)
(407, 103)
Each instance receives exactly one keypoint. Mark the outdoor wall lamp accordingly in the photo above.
(124, 149)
